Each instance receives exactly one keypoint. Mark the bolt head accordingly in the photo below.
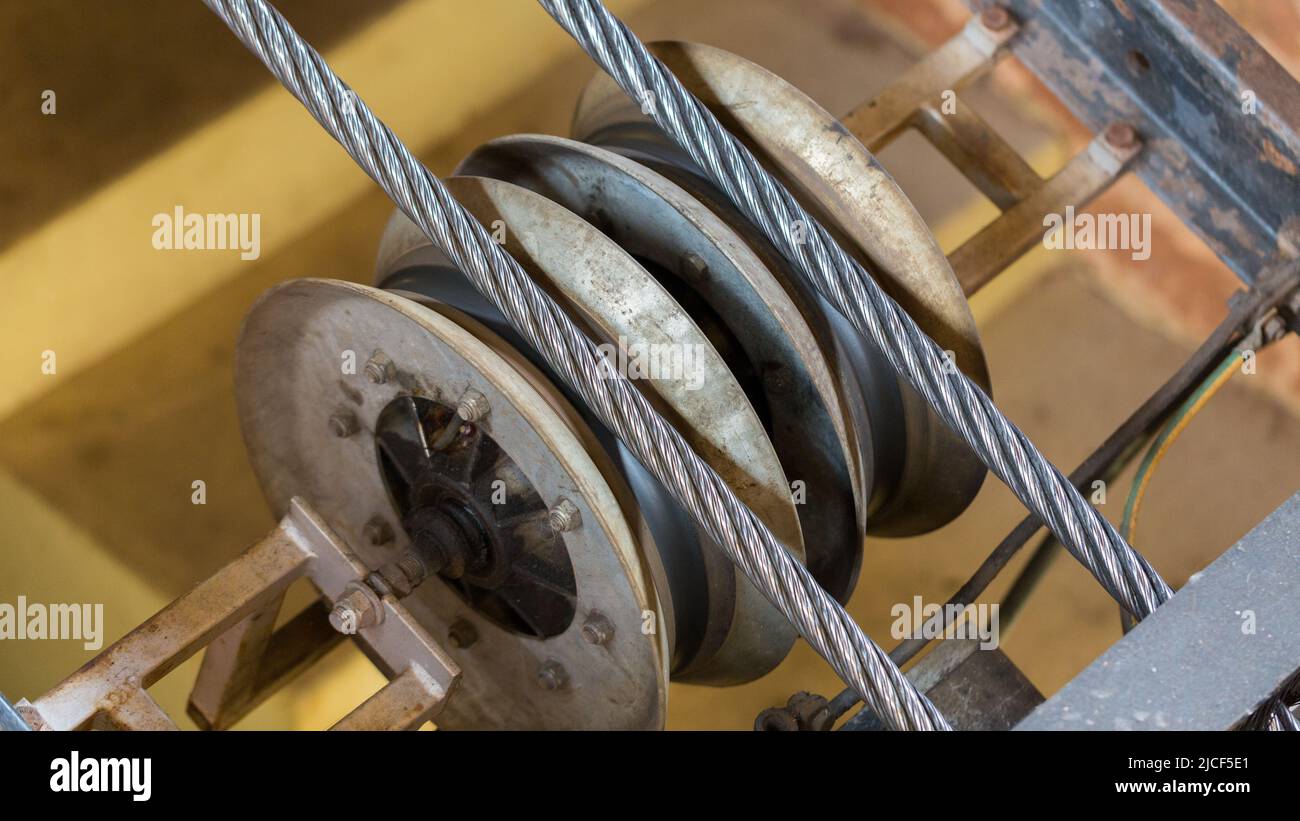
(344, 619)
(552, 676)
(694, 264)
(473, 406)
(564, 517)
(597, 629)
(1121, 135)
(462, 634)
(378, 531)
(995, 18)
(379, 368)
(343, 424)
(354, 610)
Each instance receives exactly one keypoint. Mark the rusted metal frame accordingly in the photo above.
(979, 152)
(114, 681)
(138, 711)
(1004, 240)
(1225, 161)
(954, 64)
(252, 663)
(292, 648)
(229, 670)
(405, 703)
(234, 679)
(233, 612)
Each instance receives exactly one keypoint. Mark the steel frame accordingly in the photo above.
(1226, 162)
(232, 613)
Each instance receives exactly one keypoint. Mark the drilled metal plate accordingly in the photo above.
(843, 185)
(621, 303)
(290, 379)
(683, 242)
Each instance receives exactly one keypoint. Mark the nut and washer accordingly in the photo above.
(564, 517)
(356, 609)
(473, 406)
(380, 369)
(597, 629)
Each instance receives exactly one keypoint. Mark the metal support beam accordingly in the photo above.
(1221, 118)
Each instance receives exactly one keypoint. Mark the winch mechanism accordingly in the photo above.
(584, 584)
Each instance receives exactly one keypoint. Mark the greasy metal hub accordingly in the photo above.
(474, 517)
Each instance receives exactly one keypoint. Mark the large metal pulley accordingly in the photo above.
(562, 573)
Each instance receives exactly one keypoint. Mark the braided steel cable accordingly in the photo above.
(846, 284)
(423, 198)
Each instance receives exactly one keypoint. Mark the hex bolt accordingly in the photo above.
(462, 634)
(597, 629)
(355, 610)
(1121, 135)
(694, 264)
(1274, 328)
(552, 675)
(379, 369)
(378, 531)
(564, 517)
(473, 406)
(343, 424)
(995, 18)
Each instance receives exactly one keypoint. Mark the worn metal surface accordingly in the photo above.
(962, 59)
(112, 681)
(925, 98)
(405, 703)
(233, 611)
(1178, 70)
(289, 650)
(841, 182)
(226, 682)
(626, 307)
(1020, 227)
(1210, 656)
(765, 339)
(977, 688)
(289, 380)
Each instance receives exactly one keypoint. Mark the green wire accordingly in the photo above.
(1165, 432)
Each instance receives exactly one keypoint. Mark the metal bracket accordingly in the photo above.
(232, 613)
(1221, 116)
(917, 100)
